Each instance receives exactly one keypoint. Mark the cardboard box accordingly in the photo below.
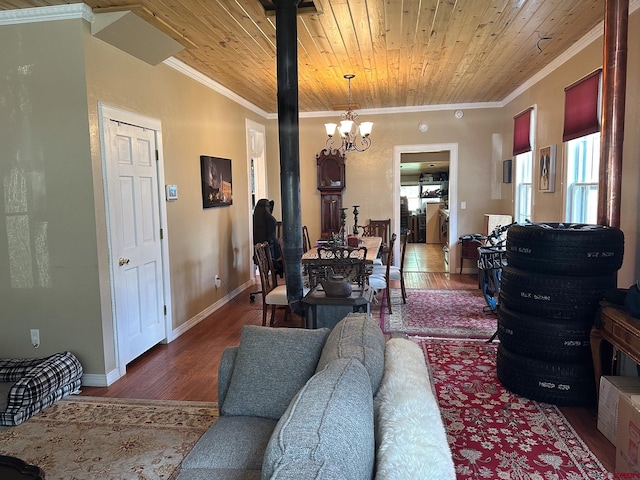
(611, 387)
(628, 436)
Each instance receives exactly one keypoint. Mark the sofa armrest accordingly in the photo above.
(225, 370)
(408, 419)
(51, 374)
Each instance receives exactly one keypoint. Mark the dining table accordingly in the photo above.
(372, 245)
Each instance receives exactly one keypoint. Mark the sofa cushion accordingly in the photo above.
(271, 365)
(308, 470)
(357, 336)
(219, 474)
(232, 443)
(410, 435)
(329, 421)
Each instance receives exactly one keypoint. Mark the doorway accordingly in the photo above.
(257, 174)
(136, 218)
(442, 215)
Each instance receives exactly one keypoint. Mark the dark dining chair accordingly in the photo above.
(379, 281)
(378, 228)
(273, 295)
(395, 273)
(306, 242)
(347, 262)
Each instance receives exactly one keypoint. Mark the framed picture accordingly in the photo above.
(216, 181)
(506, 171)
(547, 170)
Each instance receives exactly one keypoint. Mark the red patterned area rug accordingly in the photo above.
(493, 433)
(438, 313)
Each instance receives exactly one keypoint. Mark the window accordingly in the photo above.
(412, 192)
(581, 133)
(583, 159)
(522, 133)
(523, 176)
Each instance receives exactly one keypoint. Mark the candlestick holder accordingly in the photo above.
(343, 223)
(355, 220)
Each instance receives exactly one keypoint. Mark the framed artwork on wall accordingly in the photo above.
(216, 181)
(547, 170)
(506, 171)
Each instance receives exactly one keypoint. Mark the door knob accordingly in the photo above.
(123, 261)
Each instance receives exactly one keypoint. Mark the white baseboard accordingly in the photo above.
(207, 311)
(99, 380)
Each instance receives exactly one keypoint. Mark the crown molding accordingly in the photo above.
(416, 108)
(46, 14)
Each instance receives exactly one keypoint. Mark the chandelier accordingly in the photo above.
(353, 136)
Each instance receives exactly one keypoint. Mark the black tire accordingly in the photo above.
(544, 338)
(553, 296)
(566, 384)
(565, 249)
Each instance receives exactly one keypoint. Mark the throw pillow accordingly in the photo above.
(330, 421)
(357, 336)
(271, 365)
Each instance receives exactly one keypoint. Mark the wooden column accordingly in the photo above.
(616, 23)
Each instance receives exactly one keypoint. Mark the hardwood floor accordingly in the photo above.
(186, 369)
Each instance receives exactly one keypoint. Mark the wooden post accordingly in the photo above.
(616, 23)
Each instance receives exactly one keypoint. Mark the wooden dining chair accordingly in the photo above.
(384, 227)
(347, 262)
(273, 295)
(379, 281)
(379, 228)
(306, 243)
(395, 273)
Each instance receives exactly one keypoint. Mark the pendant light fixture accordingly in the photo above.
(353, 136)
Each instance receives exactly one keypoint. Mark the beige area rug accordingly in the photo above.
(108, 439)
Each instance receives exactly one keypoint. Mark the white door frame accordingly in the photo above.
(256, 150)
(398, 150)
(107, 113)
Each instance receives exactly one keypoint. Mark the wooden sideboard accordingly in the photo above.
(614, 328)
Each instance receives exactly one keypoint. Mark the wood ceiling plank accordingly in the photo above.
(461, 33)
(404, 52)
(380, 73)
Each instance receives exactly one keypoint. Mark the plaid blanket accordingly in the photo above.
(39, 383)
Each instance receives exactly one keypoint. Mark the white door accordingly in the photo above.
(136, 253)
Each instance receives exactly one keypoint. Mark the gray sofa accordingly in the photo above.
(320, 404)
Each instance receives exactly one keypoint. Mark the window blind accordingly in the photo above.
(522, 132)
(581, 107)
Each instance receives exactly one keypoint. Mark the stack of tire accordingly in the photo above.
(549, 295)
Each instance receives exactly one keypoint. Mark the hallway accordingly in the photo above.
(425, 257)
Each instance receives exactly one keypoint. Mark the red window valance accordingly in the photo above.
(582, 107)
(522, 132)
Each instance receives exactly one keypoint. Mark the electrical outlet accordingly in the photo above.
(35, 337)
(218, 281)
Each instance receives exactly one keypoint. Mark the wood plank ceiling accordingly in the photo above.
(403, 52)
